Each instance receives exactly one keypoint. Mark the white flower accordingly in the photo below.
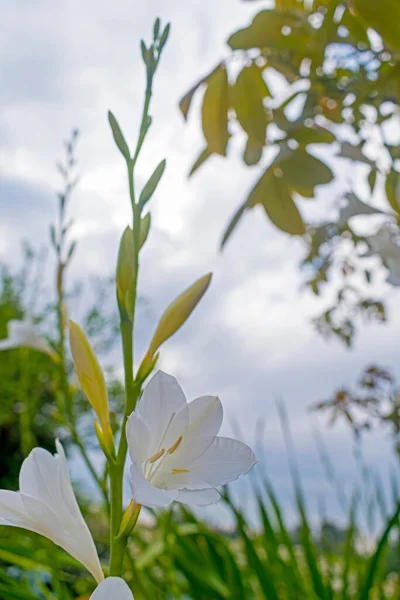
(112, 588)
(46, 504)
(175, 451)
(23, 334)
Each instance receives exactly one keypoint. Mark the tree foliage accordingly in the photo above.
(313, 75)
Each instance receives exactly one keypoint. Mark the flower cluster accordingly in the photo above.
(176, 456)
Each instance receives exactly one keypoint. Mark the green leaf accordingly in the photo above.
(383, 16)
(392, 188)
(312, 135)
(273, 194)
(152, 183)
(234, 221)
(266, 30)
(186, 101)
(303, 172)
(252, 152)
(248, 93)
(200, 160)
(372, 179)
(118, 137)
(215, 112)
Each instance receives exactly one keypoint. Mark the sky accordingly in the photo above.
(63, 65)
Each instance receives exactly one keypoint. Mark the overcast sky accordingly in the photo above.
(64, 64)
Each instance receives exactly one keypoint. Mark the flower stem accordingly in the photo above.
(118, 542)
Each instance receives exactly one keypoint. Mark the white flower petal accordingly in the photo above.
(162, 399)
(138, 436)
(112, 588)
(12, 512)
(199, 497)
(188, 452)
(47, 505)
(205, 416)
(224, 461)
(147, 494)
(23, 334)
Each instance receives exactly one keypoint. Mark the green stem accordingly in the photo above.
(132, 388)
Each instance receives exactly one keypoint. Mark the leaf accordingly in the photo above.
(249, 92)
(118, 136)
(178, 312)
(186, 101)
(252, 152)
(215, 112)
(347, 150)
(144, 229)
(266, 30)
(303, 172)
(392, 188)
(383, 16)
(372, 179)
(312, 135)
(200, 160)
(234, 221)
(274, 195)
(152, 183)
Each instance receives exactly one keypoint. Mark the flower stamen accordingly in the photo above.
(156, 456)
(178, 471)
(176, 445)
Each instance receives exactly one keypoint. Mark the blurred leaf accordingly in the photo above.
(249, 92)
(392, 188)
(312, 135)
(252, 152)
(215, 112)
(186, 101)
(383, 16)
(303, 172)
(266, 29)
(200, 160)
(273, 194)
(234, 221)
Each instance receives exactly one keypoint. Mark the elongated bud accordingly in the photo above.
(129, 519)
(106, 439)
(147, 366)
(89, 373)
(126, 273)
(178, 311)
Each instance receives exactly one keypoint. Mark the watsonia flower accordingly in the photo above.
(23, 334)
(46, 504)
(175, 451)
